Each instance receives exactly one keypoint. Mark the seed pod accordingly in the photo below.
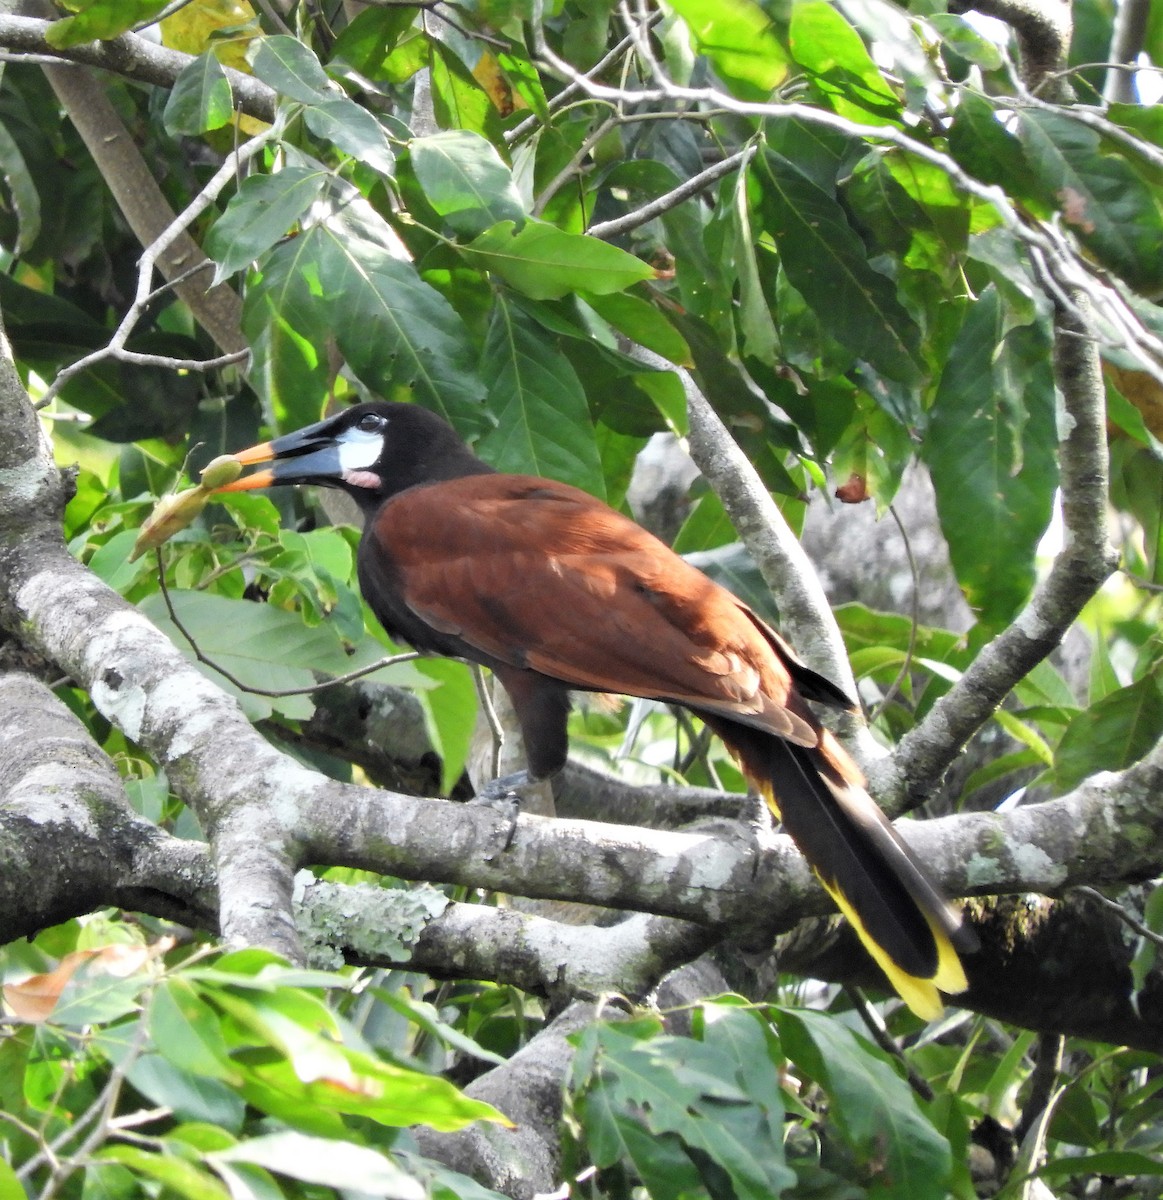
(221, 470)
(170, 514)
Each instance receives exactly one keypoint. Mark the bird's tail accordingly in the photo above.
(900, 915)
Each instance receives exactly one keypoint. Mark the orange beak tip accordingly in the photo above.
(260, 479)
(254, 454)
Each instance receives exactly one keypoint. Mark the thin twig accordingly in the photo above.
(389, 661)
(673, 198)
(881, 1036)
(915, 615)
(168, 11)
(221, 178)
(1122, 914)
(491, 717)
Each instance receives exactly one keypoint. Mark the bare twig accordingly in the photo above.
(875, 1025)
(388, 661)
(673, 198)
(149, 258)
(915, 617)
(1123, 915)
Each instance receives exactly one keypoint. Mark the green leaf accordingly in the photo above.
(287, 322)
(106, 1181)
(174, 1173)
(544, 425)
(465, 181)
(101, 19)
(339, 120)
(990, 447)
(640, 321)
(1114, 213)
(737, 36)
(1112, 734)
(399, 336)
(397, 333)
(839, 65)
(200, 99)
(984, 147)
(828, 264)
(1025, 733)
(1147, 951)
(290, 68)
(370, 37)
(326, 1161)
(760, 339)
(22, 189)
(186, 1031)
(261, 646)
(967, 42)
(875, 1110)
(10, 1187)
(458, 100)
(1119, 1164)
(545, 262)
(259, 215)
(192, 1097)
(698, 1093)
(450, 708)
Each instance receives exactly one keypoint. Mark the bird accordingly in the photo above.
(554, 592)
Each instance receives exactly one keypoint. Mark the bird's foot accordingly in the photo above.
(504, 796)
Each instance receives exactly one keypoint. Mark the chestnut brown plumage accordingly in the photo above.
(553, 590)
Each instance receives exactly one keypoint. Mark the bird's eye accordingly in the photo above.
(370, 423)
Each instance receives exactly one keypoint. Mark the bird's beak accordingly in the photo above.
(309, 455)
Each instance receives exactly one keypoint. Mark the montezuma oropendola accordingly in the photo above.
(552, 590)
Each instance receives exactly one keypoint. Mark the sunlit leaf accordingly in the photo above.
(545, 262)
(336, 1164)
(465, 181)
(260, 214)
(737, 36)
(200, 99)
(101, 19)
(290, 68)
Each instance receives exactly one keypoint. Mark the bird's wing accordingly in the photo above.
(541, 575)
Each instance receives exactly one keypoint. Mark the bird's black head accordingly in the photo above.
(371, 451)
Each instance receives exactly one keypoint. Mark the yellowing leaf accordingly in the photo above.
(192, 30)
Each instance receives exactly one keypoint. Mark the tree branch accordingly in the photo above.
(135, 58)
(69, 842)
(217, 309)
(1127, 38)
(1043, 29)
(1079, 570)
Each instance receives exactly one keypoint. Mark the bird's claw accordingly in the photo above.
(504, 797)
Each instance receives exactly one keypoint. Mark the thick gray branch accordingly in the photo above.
(1127, 38)
(69, 842)
(217, 309)
(133, 58)
(524, 1161)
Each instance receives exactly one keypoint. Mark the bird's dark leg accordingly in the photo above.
(542, 708)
